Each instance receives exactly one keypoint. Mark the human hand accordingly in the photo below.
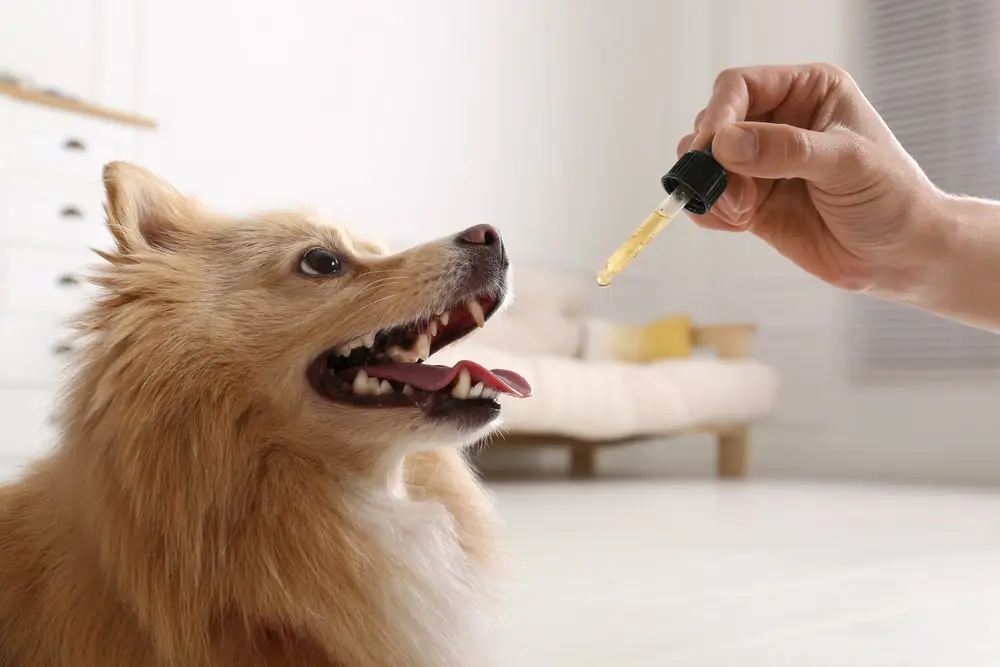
(815, 172)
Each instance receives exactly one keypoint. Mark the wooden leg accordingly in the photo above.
(733, 454)
(582, 460)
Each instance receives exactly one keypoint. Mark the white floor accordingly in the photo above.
(675, 574)
(685, 574)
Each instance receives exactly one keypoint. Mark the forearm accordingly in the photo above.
(962, 259)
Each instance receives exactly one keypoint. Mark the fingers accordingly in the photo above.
(698, 119)
(734, 207)
(769, 150)
(743, 93)
(751, 149)
(684, 145)
(717, 223)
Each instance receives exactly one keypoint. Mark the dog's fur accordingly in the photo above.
(205, 507)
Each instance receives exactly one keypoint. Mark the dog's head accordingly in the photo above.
(284, 321)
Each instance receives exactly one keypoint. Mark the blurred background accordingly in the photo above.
(745, 466)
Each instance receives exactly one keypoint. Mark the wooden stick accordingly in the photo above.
(76, 106)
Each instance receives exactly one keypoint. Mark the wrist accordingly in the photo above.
(954, 266)
(914, 269)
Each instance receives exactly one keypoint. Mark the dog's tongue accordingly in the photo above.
(435, 378)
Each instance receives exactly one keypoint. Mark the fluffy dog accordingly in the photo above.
(256, 467)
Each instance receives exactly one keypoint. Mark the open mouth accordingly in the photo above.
(386, 368)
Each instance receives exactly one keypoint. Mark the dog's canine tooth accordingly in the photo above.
(462, 386)
(477, 390)
(346, 349)
(477, 312)
(444, 317)
(490, 393)
(432, 328)
(373, 385)
(350, 347)
(360, 385)
(422, 347)
(385, 388)
(369, 340)
(401, 356)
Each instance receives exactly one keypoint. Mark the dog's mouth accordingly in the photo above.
(386, 368)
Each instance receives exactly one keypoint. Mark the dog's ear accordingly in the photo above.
(373, 247)
(144, 211)
(366, 246)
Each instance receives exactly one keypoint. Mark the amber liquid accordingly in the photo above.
(633, 246)
(651, 226)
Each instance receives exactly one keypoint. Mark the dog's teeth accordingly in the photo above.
(432, 328)
(401, 356)
(444, 319)
(408, 390)
(477, 390)
(360, 385)
(373, 385)
(423, 346)
(490, 393)
(345, 350)
(477, 312)
(384, 388)
(369, 340)
(461, 388)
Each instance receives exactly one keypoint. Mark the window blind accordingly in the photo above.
(932, 69)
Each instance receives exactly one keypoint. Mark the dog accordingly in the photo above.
(255, 467)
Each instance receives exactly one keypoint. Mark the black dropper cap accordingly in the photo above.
(702, 175)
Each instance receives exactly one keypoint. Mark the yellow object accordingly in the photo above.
(666, 338)
(660, 217)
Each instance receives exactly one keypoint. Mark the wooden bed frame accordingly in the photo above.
(729, 341)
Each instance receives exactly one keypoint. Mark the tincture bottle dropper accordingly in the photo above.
(694, 184)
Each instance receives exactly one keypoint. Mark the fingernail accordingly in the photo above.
(700, 141)
(732, 198)
(729, 209)
(735, 144)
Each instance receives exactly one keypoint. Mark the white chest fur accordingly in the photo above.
(442, 609)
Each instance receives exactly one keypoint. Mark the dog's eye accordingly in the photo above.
(319, 262)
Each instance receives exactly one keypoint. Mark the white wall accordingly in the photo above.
(552, 120)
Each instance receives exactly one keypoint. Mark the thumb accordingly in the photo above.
(772, 150)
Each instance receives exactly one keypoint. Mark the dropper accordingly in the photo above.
(694, 183)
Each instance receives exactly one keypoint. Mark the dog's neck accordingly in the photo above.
(294, 530)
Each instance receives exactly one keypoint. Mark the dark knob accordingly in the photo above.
(68, 280)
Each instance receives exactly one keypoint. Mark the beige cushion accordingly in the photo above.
(610, 400)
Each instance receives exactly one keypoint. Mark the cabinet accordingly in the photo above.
(51, 217)
(52, 150)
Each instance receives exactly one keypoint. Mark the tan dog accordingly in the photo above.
(251, 470)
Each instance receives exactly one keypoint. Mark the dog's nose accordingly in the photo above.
(482, 235)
